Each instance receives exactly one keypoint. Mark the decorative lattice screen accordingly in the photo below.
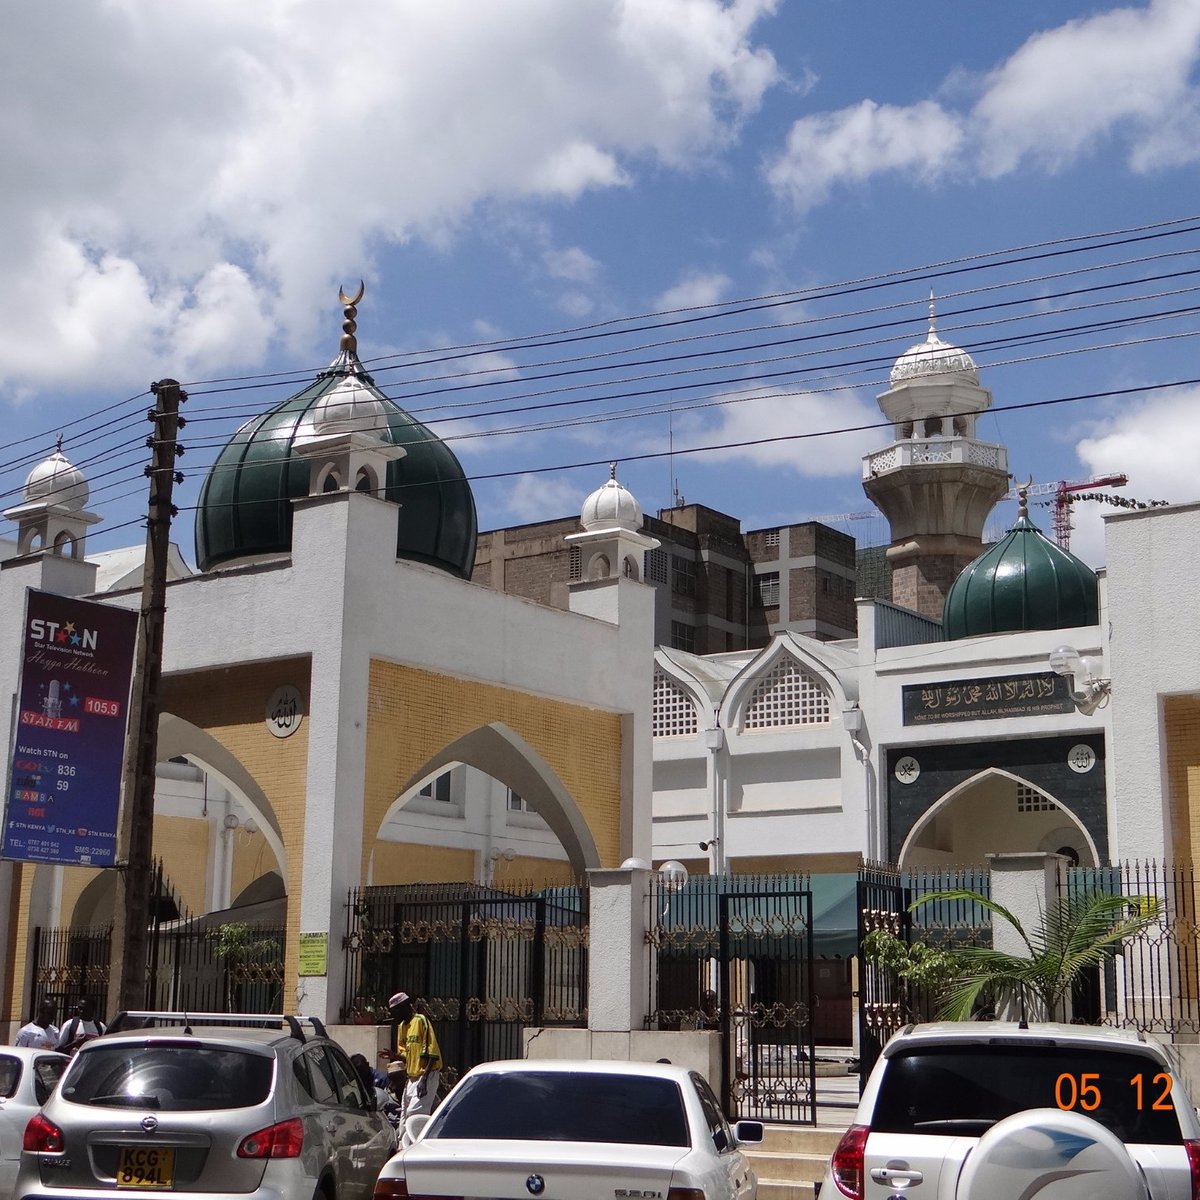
(789, 695)
(674, 710)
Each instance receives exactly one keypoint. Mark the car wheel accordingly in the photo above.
(1069, 1155)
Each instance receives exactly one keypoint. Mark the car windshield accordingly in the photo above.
(966, 1089)
(174, 1077)
(562, 1106)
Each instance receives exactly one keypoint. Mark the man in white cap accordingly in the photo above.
(416, 1060)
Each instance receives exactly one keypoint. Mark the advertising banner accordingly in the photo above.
(69, 741)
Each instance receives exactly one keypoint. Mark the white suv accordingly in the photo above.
(991, 1110)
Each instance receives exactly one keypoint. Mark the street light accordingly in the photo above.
(1089, 691)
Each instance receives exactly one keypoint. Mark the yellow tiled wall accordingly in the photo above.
(1181, 728)
(414, 714)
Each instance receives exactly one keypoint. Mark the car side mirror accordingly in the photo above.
(414, 1127)
(748, 1133)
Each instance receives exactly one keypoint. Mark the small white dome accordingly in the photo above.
(350, 407)
(54, 481)
(611, 506)
(934, 357)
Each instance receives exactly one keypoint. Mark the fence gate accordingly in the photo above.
(735, 954)
(882, 904)
(766, 998)
(484, 964)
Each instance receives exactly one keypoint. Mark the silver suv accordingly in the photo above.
(992, 1110)
(207, 1105)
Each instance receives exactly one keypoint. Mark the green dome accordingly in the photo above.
(245, 508)
(1024, 581)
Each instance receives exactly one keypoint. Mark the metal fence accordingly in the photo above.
(890, 899)
(483, 962)
(190, 964)
(1152, 983)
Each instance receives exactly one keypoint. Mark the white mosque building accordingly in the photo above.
(939, 735)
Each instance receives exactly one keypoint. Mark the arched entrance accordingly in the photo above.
(994, 812)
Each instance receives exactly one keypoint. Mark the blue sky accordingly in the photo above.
(187, 185)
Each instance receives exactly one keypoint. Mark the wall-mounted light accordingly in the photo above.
(1089, 691)
(706, 846)
(231, 822)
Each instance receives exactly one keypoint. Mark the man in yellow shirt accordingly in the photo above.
(416, 1056)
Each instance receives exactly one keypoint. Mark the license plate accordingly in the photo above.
(145, 1167)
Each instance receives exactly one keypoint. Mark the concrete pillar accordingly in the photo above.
(617, 960)
(1026, 885)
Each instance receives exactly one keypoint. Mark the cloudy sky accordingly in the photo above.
(527, 186)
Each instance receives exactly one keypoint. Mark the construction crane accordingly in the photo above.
(837, 518)
(1061, 492)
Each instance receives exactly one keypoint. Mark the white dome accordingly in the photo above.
(54, 481)
(350, 407)
(934, 357)
(611, 506)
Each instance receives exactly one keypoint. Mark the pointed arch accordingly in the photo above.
(960, 790)
(677, 704)
(180, 738)
(789, 686)
(499, 751)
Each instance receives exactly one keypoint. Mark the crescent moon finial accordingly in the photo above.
(349, 343)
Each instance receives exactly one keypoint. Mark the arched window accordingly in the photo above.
(331, 482)
(674, 712)
(629, 568)
(789, 695)
(599, 567)
(64, 544)
(365, 481)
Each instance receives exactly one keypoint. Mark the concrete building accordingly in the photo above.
(716, 588)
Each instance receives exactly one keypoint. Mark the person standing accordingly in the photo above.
(82, 1027)
(41, 1033)
(416, 1056)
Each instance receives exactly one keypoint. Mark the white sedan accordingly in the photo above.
(27, 1077)
(575, 1131)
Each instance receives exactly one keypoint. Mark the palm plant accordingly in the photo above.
(1077, 932)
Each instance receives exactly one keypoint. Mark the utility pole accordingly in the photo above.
(135, 837)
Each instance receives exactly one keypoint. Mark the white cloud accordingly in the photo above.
(776, 415)
(851, 145)
(1157, 444)
(1066, 88)
(571, 263)
(541, 498)
(694, 291)
(1123, 76)
(186, 181)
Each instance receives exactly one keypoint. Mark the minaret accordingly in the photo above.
(612, 541)
(52, 517)
(936, 483)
